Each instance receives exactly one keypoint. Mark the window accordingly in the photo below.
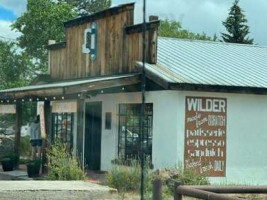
(62, 128)
(129, 130)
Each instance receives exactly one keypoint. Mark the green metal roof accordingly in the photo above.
(210, 63)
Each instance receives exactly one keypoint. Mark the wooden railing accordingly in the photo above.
(207, 192)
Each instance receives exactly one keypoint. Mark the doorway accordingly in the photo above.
(93, 127)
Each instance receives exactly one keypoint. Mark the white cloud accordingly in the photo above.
(195, 15)
(206, 15)
(17, 6)
(6, 32)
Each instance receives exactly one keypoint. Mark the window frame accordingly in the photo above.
(135, 109)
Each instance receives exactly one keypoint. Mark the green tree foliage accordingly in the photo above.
(15, 67)
(236, 26)
(42, 21)
(86, 7)
(174, 29)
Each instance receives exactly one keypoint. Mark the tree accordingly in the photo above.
(236, 26)
(42, 21)
(15, 67)
(174, 29)
(87, 7)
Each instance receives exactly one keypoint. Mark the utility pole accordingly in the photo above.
(143, 106)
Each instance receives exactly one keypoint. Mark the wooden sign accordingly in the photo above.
(64, 107)
(42, 120)
(7, 109)
(205, 135)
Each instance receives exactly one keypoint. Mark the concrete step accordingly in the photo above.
(55, 190)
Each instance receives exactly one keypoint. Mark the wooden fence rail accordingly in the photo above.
(207, 192)
(215, 192)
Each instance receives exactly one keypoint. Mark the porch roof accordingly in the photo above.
(70, 87)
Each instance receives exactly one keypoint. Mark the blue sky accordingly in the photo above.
(6, 14)
(196, 15)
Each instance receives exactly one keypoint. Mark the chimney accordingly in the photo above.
(51, 42)
(153, 18)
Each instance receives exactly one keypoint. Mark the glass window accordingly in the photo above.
(62, 128)
(130, 127)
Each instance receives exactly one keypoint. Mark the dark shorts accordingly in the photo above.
(35, 143)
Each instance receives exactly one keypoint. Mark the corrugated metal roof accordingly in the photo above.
(211, 63)
(67, 83)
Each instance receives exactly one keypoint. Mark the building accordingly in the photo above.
(206, 101)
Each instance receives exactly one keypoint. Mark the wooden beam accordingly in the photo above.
(102, 85)
(18, 129)
(48, 125)
(80, 129)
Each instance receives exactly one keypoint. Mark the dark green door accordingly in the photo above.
(93, 121)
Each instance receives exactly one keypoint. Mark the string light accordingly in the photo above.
(54, 98)
(79, 95)
(37, 99)
(123, 88)
(22, 100)
(62, 97)
(102, 91)
(45, 98)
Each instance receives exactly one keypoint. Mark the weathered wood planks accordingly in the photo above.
(119, 46)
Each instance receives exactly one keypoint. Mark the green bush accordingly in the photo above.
(6, 146)
(25, 146)
(63, 165)
(125, 178)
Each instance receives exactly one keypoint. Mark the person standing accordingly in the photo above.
(36, 139)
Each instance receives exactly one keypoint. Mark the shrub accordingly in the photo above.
(187, 177)
(25, 146)
(125, 178)
(63, 165)
(6, 146)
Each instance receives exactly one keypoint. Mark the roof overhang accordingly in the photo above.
(70, 87)
(171, 81)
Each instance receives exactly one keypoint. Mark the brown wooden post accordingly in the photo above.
(175, 194)
(18, 130)
(48, 121)
(80, 129)
(157, 189)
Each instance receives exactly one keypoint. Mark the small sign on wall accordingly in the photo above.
(42, 120)
(64, 107)
(8, 109)
(205, 135)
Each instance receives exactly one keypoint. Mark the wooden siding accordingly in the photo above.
(117, 49)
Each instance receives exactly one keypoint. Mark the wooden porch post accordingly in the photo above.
(80, 129)
(48, 121)
(18, 122)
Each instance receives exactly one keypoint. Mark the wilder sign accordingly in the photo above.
(205, 135)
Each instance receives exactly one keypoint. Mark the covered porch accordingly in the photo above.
(63, 100)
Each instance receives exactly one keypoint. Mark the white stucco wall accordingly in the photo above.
(164, 148)
(246, 162)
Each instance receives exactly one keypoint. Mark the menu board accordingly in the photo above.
(205, 135)
(64, 107)
(8, 109)
(42, 120)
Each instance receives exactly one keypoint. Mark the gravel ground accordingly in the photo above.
(3, 177)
